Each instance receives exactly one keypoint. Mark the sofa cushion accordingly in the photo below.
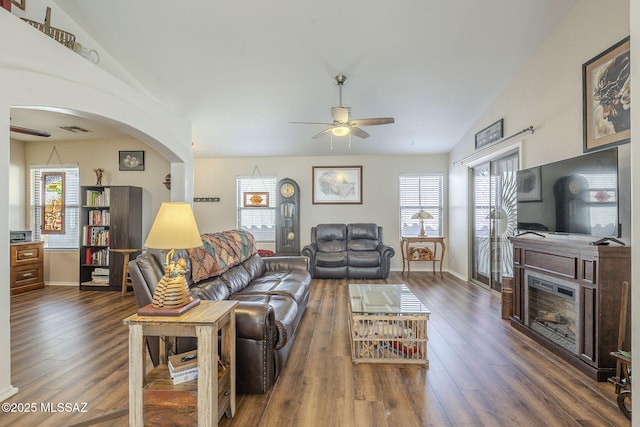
(285, 312)
(236, 279)
(255, 266)
(294, 284)
(331, 259)
(362, 237)
(220, 252)
(331, 237)
(210, 289)
(364, 259)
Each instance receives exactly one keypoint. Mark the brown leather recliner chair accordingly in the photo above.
(348, 251)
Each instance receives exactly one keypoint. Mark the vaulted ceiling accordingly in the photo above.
(240, 71)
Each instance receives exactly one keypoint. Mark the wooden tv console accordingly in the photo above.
(598, 271)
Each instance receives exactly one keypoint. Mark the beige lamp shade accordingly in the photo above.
(422, 215)
(174, 228)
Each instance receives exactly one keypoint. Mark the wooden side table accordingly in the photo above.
(126, 279)
(406, 247)
(215, 393)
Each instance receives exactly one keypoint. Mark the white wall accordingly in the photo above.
(37, 71)
(546, 93)
(17, 184)
(217, 177)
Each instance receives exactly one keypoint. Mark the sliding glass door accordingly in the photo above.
(494, 220)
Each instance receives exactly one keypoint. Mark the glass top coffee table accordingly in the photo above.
(388, 324)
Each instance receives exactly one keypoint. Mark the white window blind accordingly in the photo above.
(259, 221)
(421, 192)
(70, 238)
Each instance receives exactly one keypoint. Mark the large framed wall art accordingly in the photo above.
(337, 184)
(607, 98)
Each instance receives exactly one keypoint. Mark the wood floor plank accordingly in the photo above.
(71, 346)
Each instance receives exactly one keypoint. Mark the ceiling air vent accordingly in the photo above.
(74, 129)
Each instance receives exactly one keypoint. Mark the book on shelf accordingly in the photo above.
(96, 256)
(99, 275)
(183, 367)
(98, 197)
(184, 376)
(99, 217)
(95, 236)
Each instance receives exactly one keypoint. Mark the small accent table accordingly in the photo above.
(411, 245)
(215, 393)
(388, 324)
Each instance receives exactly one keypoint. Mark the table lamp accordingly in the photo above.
(422, 215)
(173, 228)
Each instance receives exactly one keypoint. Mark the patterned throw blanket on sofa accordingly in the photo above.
(219, 252)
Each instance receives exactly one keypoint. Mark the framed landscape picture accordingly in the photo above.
(607, 98)
(337, 184)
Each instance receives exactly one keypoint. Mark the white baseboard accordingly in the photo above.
(7, 393)
(62, 284)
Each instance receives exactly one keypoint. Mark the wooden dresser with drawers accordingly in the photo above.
(27, 267)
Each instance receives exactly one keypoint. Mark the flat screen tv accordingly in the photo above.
(579, 195)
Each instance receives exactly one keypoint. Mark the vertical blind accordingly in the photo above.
(70, 238)
(259, 221)
(421, 192)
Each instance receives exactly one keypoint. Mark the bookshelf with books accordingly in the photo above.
(110, 218)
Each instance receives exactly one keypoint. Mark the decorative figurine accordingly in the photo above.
(99, 173)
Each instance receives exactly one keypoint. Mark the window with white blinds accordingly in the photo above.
(259, 221)
(70, 238)
(421, 192)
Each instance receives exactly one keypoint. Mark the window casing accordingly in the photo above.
(421, 192)
(259, 221)
(70, 239)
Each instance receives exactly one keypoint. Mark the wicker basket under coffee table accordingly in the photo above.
(388, 324)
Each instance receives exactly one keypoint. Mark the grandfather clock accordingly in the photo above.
(287, 217)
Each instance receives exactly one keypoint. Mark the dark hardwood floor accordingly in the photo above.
(71, 347)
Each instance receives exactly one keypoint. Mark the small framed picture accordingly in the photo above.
(606, 96)
(255, 199)
(131, 160)
(490, 134)
(337, 185)
(529, 185)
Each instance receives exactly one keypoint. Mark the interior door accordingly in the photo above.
(494, 220)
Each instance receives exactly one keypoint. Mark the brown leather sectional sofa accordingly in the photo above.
(273, 294)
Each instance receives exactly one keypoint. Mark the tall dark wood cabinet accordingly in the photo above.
(591, 277)
(110, 218)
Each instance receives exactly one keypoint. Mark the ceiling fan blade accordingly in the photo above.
(324, 132)
(372, 122)
(359, 132)
(28, 131)
(312, 123)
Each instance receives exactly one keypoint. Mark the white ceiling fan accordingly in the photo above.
(341, 125)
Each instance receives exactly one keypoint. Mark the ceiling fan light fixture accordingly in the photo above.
(340, 130)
